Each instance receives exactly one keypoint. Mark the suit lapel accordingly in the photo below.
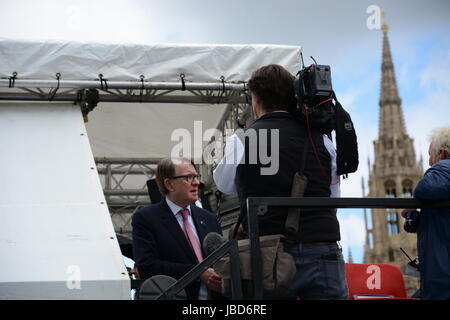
(200, 224)
(173, 228)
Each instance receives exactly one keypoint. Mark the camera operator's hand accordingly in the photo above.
(212, 280)
(135, 272)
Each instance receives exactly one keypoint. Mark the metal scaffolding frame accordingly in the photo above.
(125, 195)
(124, 91)
(124, 187)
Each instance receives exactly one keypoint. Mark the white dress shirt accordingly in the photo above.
(335, 185)
(225, 172)
(203, 293)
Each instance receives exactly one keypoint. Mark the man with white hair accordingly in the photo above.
(433, 230)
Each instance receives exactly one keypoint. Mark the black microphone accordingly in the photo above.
(212, 242)
(156, 285)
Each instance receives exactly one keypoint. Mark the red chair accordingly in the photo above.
(374, 281)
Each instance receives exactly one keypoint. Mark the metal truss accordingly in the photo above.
(124, 182)
(236, 115)
(124, 179)
(124, 186)
(125, 91)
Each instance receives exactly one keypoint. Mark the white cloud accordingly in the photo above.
(117, 21)
(432, 110)
(435, 76)
(347, 99)
(353, 234)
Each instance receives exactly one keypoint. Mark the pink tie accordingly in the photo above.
(195, 244)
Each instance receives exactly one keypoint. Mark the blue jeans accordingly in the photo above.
(320, 272)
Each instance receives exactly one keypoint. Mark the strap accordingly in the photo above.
(236, 226)
(303, 161)
(299, 184)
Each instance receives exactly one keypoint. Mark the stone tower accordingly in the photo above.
(395, 173)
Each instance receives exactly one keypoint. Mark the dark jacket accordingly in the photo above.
(316, 225)
(433, 233)
(160, 246)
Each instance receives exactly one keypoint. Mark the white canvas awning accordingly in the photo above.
(157, 62)
(140, 129)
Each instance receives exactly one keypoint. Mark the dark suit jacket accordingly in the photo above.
(160, 246)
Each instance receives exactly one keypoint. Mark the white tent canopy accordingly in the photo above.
(141, 130)
(144, 130)
(157, 62)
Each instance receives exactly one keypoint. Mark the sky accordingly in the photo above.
(338, 33)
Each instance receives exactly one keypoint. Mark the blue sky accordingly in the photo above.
(334, 32)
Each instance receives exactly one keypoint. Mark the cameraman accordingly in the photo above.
(318, 257)
(433, 225)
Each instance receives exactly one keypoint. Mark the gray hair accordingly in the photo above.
(440, 139)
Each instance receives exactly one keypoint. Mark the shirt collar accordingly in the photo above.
(276, 113)
(175, 208)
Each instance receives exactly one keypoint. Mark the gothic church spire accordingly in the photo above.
(391, 115)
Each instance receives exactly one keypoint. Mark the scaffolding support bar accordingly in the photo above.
(97, 84)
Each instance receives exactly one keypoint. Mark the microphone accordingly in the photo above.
(212, 242)
(154, 286)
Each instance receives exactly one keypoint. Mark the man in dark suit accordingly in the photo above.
(167, 236)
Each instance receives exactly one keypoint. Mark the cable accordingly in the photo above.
(322, 169)
(329, 99)
(101, 82)
(12, 80)
(142, 88)
(51, 94)
(183, 83)
(222, 78)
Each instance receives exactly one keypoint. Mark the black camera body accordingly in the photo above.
(313, 85)
(411, 222)
(315, 108)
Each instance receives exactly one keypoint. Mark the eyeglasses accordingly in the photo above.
(189, 177)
